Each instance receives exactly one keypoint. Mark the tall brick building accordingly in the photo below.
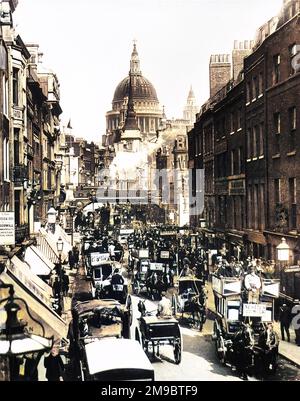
(245, 139)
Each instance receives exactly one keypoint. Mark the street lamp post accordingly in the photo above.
(283, 256)
(51, 215)
(72, 210)
(60, 247)
(15, 339)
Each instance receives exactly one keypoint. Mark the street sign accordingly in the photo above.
(7, 228)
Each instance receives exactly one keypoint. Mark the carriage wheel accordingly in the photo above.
(199, 321)
(145, 344)
(221, 350)
(137, 335)
(177, 352)
(174, 305)
(129, 309)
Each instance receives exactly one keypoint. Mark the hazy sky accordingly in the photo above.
(88, 44)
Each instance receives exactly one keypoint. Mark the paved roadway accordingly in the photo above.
(199, 362)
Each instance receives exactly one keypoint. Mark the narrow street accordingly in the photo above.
(167, 173)
(199, 360)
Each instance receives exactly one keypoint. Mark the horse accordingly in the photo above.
(155, 286)
(196, 306)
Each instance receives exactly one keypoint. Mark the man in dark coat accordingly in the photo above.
(54, 366)
(285, 319)
(65, 283)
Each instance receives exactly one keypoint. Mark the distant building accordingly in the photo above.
(146, 104)
(191, 108)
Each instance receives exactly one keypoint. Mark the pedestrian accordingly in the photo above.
(76, 255)
(65, 284)
(54, 366)
(30, 370)
(285, 319)
(56, 288)
(71, 259)
(164, 308)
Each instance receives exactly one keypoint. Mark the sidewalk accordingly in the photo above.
(289, 351)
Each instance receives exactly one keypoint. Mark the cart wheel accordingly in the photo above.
(137, 335)
(174, 305)
(199, 321)
(129, 308)
(145, 344)
(221, 350)
(137, 288)
(177, 352)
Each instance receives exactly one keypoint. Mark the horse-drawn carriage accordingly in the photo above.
(243, 332)
(95, 320)
(157, 280)
(102, 270)
(140, 276)
(191, 299)
(155, 331)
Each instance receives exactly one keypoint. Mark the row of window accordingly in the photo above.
(255, 142)
(255, 88)
(279, 194)
(292, 190)
(256, 206)
(293, 51)
(292, 126)
(292, 120)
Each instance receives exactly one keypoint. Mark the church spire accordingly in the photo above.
(130, 122)
(191, 94)
(135, 61)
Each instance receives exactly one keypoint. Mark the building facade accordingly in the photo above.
(245, 139)
(30, 131)
(146, 104)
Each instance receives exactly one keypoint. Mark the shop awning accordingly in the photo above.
(47, 244)
(52, 323)
(39, 264)
(36, 285)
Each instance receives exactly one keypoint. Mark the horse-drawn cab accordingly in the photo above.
(157, 280)
(104, 286)
(140, 276)
(154, 331)
(86, 250)
(241, 326)
(191, 299)
(95, 320)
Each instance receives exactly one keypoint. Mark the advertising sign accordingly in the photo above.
(157, 266)
(165, 255)
(143, 253)
(97, 258)
(254, 310)
(7, 228)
